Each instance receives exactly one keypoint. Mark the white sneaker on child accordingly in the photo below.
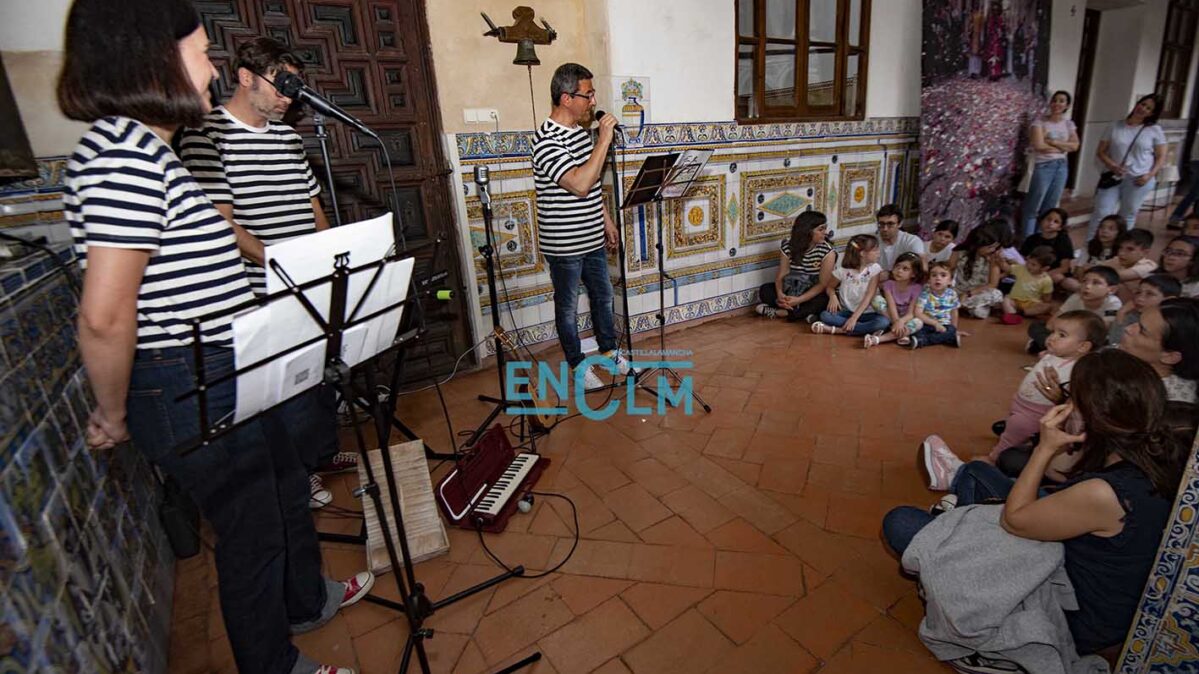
(939, 463)
(619, 363)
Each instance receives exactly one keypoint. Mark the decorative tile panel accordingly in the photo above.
(859, 189)
(770, 200)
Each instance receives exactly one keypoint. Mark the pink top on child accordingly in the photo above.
(903, 299)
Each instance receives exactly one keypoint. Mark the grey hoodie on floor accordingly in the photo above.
(1000, 595)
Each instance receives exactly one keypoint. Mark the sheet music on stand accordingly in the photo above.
(666, 176)
(285, 322)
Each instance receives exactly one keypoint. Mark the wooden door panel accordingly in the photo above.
(367, 58)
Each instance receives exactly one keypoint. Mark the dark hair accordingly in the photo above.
(1168, 285)
(1069, 99)
(1193, 267)
(1181, 334)
(1093, 327)
(858, 244)
(950, 226)
(1141, 237)
(1061, 214)
(566, 81)
(939, 264)
(1157, 109)
(1122, 401)
(889, 210)
(263, 55)
(122, 59)
(801, 231)
(1042, 254)
(980, 237)
(1095, 246)
(1002, 229)
(1110, 276)
(917, 265)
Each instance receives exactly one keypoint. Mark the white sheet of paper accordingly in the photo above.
(286, 322)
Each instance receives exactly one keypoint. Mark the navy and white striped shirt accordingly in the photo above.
(262, 171)
(566, 224)
(125, 188)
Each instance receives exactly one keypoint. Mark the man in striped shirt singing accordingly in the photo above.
(573, 224)
(254, 169)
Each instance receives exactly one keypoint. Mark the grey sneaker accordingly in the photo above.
(767, 311)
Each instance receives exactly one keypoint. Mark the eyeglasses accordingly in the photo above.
(1175, 252)
(590, 95)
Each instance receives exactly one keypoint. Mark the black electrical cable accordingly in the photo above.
(574, 511)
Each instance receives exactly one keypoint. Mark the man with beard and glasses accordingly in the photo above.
(253, 168)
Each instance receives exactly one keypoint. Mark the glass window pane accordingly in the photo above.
(822, 21)
(855, 23)
(745, 18)
(747, 106)
(780, 19)
(849, 95)
(780, 75)
(821, 69)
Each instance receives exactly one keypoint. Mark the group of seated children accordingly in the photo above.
(896, 288)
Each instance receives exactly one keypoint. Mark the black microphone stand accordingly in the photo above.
(618, 220)
(322, 137)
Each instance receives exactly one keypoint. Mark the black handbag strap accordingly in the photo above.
(1131, 145)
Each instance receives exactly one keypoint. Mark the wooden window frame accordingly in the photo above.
(1185, 49)
(801, 111)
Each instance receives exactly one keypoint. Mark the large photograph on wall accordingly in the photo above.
(984, 67)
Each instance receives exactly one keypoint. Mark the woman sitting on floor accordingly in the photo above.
(1125, 460)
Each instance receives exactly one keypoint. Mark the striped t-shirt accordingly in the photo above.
(262, 171)
(566, 224)
(810, 261)
(125, 188)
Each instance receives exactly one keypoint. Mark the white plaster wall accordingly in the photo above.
(31, 35)
(1065, 44)
(685, 48)
(893, 80)
(32, 25)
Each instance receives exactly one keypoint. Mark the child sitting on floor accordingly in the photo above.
(937, 308)
(855, 282)
(1132, 261)
(805, 266)
(977, 269)
(897, 301)
(941, 245)
(1153, 290)
(1052, 233)
(1097, 295)
(1073, 334)
(1099, 249)
(1033, 287)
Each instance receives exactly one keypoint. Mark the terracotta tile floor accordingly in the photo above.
(742, 540)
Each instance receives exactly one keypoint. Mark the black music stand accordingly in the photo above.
(416, 605)
(665, 177)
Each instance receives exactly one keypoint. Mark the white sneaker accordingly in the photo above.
(619, 363)
(981, 312)
(939, 463)
(334, 669)
(948, 502)
(318, 496)
(591, 381)
(767, 311)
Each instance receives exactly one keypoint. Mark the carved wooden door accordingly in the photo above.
(372, 58)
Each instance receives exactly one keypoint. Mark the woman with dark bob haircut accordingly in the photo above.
(157, 255)
(1124, 450)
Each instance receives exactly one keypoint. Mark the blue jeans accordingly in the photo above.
(565, 273)
(253, 492)
(309, 422)
(1192, 194)
(928, 336)
(975, 482)
(1126, 198)
(868, 322)
(1044, 191)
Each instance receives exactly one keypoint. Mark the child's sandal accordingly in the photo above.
(870, 340)
(823, 329)
(904, 341)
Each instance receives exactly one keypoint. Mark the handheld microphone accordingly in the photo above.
(291, 86)
(600, 114)
(483, 179)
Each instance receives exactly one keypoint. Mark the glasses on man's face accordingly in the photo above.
(590, 95)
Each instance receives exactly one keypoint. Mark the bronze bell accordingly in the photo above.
(526, 55)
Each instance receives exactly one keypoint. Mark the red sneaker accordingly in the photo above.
(1011, 319)
(357, 588)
